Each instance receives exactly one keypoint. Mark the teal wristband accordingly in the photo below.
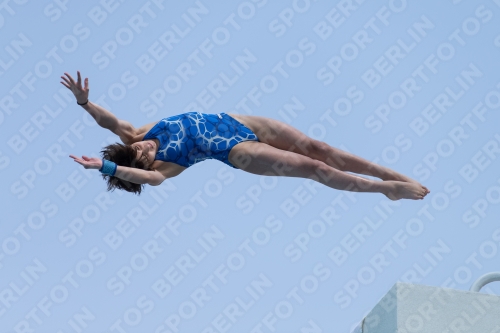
(108, 167)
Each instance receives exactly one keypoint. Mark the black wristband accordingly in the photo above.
(82, 103)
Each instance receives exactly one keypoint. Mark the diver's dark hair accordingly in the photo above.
(123, 155)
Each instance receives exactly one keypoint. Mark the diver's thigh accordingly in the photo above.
(262, 159)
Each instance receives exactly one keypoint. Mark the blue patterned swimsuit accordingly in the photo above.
(192, 137)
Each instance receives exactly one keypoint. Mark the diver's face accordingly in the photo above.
(146, 152)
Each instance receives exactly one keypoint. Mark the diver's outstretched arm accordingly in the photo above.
(103, 117)
(133, 175)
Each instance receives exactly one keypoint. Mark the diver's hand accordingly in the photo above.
(81, 93)
(88, 162)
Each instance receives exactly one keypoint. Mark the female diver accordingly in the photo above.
(263, 146)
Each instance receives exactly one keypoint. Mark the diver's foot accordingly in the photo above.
(395, 176)
(396, 190)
